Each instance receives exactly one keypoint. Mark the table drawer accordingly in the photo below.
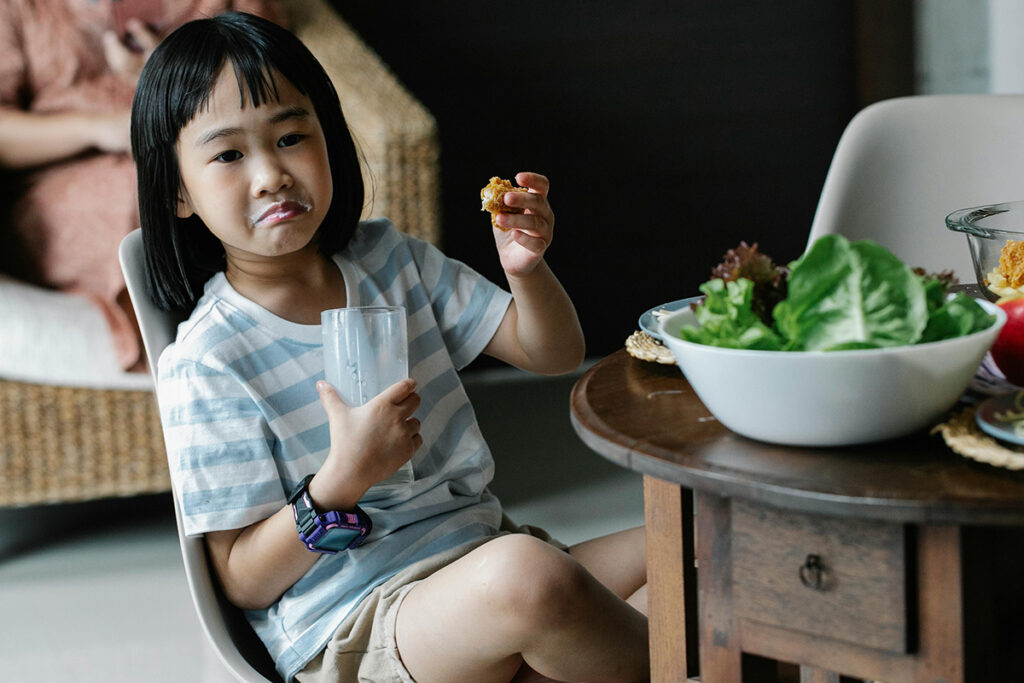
(826, 576)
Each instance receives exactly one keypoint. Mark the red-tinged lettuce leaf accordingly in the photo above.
(937, 287)
(769, 280)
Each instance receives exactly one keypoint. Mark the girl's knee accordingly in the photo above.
(531, 579)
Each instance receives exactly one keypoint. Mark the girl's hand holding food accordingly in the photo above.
(522, 238)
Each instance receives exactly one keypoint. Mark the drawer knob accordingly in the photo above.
(812, 573)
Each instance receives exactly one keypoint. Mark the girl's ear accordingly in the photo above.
(184, 209)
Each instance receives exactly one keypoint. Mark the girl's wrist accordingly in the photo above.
(526, 277)
(328, 494)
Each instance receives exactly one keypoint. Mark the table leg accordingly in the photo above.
(671, 580)
(720, 655)
(939, 584)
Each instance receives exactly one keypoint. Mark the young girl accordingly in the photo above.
(250, 196)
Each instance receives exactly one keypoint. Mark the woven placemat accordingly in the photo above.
(645, 347)
(961, 433)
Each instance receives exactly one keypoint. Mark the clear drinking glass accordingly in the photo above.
(366, 350)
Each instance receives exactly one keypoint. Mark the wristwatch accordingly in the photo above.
(327, 532)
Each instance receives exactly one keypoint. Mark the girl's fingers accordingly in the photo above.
(410, 403)
(413, 425)
(532, 202)
(533, 244)
(398, 391)
(535, 182)
(328, 396)
(532, 224)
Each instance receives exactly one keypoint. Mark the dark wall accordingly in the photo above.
(670, 130)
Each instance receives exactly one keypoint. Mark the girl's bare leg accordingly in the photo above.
(517, 599)
(619, 561)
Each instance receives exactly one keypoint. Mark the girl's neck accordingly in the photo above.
(296, 287)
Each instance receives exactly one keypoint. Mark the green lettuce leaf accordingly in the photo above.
(958, 316)
(845, 295)
(727, 319)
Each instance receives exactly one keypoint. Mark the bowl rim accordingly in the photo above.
(846, 353)
(965, 220)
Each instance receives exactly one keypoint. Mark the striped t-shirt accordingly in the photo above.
(244, 424)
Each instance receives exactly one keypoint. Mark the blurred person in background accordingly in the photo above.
(68, 70)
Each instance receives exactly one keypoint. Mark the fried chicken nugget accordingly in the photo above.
(1011, 262)
(493, 198)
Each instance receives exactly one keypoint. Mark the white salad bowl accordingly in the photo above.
(829, 398)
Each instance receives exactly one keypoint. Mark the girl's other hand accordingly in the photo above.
(368, 443)
(526, 237)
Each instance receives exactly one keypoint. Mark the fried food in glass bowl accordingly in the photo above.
(995, 236)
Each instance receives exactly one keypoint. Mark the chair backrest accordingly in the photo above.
(233, 639)
(902, 165)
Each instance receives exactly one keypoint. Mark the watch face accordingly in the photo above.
(337, 539)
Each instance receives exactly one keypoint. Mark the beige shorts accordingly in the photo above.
(363, 648)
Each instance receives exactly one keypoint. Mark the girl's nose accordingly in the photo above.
(270, 177)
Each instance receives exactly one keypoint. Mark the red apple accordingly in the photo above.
(1008, 349)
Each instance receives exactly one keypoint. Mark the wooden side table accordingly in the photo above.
(898, 561)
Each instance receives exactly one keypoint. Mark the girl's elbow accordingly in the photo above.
(569, 360)
(573, 363)
(577, 354)
(248, 597)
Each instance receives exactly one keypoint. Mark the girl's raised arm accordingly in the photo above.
(540, 332)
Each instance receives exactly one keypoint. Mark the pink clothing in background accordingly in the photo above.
(72, 215)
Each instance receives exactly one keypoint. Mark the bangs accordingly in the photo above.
(188, 84)
(255, 79)
(255, 83)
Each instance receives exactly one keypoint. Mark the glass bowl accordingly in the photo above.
(988, 228)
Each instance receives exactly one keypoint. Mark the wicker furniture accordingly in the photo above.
(64, 442)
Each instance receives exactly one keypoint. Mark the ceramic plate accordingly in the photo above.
(649, 321)
(1002, 417)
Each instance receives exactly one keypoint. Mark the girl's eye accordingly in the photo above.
(290, 139)
(229, 156)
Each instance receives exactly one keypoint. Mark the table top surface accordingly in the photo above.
(645, 417)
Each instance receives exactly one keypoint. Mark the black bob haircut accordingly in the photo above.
(181, 254)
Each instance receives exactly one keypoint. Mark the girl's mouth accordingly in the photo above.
(280, 211)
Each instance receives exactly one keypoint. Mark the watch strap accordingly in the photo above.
(327, 532)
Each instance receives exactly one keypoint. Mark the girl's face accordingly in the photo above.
(258, 177)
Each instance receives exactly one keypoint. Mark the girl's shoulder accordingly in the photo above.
(379, 243)
(371, 236)
(213, 325)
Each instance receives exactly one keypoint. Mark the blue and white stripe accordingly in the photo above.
(243, 424)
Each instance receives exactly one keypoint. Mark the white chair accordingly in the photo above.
(234, 641)
(902, 165)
